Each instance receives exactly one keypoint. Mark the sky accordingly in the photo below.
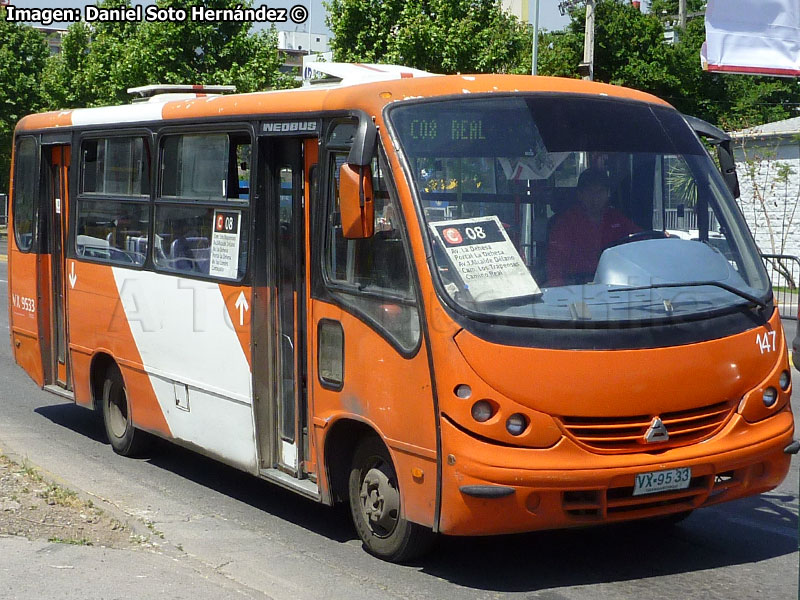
(549, 17)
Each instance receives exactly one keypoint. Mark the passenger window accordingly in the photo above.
(24, 186)
(113, 231)
(201, 240)
(369, 269)
(210, 167)
(118, 166)
(196, 231)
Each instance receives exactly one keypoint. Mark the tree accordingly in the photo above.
(669, 8)
(23, 54)
(65, 81)
(442, 36)
(99, 63)
(630, 50)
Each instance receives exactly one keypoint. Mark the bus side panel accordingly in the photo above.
(390, 393)
(180, 336)
(98, 324)
(23, 306)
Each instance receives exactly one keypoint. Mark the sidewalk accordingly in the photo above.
(30, 570)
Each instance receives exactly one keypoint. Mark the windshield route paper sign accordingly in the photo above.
(485, 259)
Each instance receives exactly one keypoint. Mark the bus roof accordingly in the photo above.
(370, 97)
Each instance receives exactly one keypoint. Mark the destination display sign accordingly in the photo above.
(485, 259)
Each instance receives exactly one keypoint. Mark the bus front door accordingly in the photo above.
(283, 431)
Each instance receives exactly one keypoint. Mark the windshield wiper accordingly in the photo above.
(729, 288)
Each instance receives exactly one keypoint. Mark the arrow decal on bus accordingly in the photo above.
(72, 277)
(241, 304)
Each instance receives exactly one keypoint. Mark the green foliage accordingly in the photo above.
(99, 62)
(669, 8)
(442, 36)
(23, 55)
(630, 50)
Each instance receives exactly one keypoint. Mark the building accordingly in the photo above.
(303, 41)
(768, 165)
(54, 36)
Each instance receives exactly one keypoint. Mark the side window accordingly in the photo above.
(201, 215)
(375, 264)
(25, 175)
(113, 211)
(206, 167)
(118, 166)
(113, 231)
(371, 275)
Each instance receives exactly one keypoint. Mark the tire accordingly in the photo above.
(124, 438)
(376, 509)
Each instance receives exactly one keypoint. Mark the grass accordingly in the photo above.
(71, 542)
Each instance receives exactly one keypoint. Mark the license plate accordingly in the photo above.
(662, 481)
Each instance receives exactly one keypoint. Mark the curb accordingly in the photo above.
(135, 525)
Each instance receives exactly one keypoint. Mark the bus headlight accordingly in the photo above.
(516, 424)
(770, 396)
(482, 411)
(785, 380)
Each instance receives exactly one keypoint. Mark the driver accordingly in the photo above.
(582, 232)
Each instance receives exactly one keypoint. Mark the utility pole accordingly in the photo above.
(535, 49)
(588, 42)
(682, 14)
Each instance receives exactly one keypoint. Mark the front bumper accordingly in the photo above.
(567, 486)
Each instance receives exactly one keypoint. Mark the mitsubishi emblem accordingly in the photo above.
(656, 432)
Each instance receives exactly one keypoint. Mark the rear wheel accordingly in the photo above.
(124, 438)
(376, 507)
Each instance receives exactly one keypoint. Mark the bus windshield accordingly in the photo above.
(575, 208)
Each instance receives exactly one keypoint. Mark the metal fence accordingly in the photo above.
(3, 209)
(684, 219)
(784, 272)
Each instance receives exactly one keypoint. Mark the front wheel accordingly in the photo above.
(124, 438)
(376, 507)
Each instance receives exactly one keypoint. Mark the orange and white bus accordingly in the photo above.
(344, 289)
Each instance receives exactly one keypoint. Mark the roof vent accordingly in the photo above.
(149, 92)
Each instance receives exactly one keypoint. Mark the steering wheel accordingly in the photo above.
(648, 234)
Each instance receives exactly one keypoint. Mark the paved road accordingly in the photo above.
(226, 534)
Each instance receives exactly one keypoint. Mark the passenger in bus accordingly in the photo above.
(581, 233)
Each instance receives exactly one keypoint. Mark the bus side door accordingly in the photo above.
(25, 259)
(57, 204)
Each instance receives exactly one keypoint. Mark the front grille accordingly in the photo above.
(620, 504)
(626, 434)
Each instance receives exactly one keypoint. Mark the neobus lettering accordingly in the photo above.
(289, 127)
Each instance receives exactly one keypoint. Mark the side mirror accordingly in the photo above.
(728, 167)
(356, 201)
(722, 141)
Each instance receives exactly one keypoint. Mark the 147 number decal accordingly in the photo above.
(766, 342)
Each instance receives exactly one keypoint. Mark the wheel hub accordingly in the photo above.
(118, 413)
(380, 501)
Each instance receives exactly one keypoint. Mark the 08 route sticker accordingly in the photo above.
(485, 258)
(225, 243)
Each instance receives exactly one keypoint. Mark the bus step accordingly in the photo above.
(59, 391)
(305, 487)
